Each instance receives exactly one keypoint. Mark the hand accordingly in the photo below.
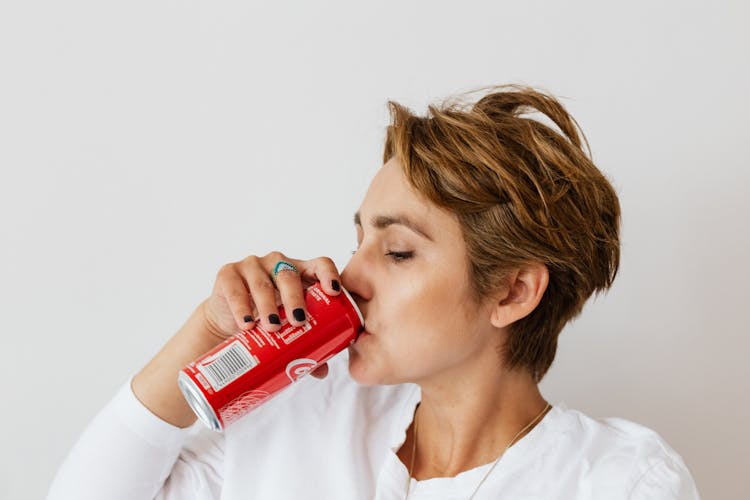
(245, 289)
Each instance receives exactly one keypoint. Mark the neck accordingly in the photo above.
(467, 419)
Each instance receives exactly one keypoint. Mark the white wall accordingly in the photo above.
(144, 144)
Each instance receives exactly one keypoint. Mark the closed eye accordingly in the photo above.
(396, 256)
(400, 256)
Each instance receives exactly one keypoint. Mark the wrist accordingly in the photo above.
(209, 325)
(155, 386)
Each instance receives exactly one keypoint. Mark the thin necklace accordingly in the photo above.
(414, 451)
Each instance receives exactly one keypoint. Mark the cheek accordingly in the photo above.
(420, 324)
(431, 326)
(438, 301)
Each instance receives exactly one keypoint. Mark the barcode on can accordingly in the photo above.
(227, 365)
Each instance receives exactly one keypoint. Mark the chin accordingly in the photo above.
(363, 372)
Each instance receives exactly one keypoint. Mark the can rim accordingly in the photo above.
(198, 402)
(354, 305)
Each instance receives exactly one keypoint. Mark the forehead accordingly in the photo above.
(389, 190)
(390, 193)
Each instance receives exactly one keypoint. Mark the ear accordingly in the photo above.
(523, 293)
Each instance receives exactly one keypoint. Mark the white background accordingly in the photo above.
(145, 144)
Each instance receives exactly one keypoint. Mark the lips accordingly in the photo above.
(363, 329)
(362, 334)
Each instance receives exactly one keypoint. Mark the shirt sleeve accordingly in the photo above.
(667, 479)
(128, 453)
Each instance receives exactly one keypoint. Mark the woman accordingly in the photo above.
(481, 236)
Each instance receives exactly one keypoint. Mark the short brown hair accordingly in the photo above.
(522, 193)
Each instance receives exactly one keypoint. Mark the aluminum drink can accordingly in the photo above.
(253, 366)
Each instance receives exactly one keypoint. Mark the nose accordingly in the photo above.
(357, 282)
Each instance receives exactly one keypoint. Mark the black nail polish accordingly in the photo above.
(274, 319)
(335, 285)
(248, 318)
(299, 314)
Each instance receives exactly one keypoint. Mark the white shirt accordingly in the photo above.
(334, 439)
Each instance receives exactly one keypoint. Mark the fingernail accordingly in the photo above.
(274, 319)
(335, 285)
(248, 318)
(299, 314)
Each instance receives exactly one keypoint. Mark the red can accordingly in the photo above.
(251, 367)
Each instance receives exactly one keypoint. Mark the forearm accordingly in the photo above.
(125, 453)
(155, 385)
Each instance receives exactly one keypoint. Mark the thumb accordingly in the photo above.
(321, 371)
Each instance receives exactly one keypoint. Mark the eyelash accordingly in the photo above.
(400, 256)
(396, 256)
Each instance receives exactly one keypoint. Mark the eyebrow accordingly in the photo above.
(383, 221)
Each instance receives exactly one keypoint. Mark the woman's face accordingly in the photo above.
(410, 278)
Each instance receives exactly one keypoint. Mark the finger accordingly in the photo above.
(324, 270)
(292, 293)
(290, 287)
(263, 292)
(321, 371)
(233, 288)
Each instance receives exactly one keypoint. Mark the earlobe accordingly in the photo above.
(523, 294)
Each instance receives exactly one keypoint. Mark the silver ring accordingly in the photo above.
(283, 265)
